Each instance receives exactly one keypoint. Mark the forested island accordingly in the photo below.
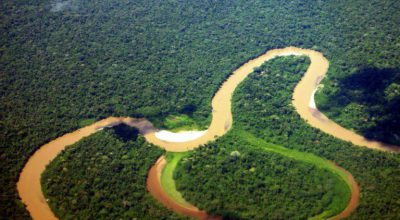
(66, 64)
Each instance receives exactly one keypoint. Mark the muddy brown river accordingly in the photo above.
(29, 187)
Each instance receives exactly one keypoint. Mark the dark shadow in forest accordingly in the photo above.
(189, 109)
(124, 132)
(367, 87)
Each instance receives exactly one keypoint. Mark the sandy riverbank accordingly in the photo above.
(29, 186)
(182, 136)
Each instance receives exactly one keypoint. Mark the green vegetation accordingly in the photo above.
(242, 177)
(65, 61)
(86, 122)
(181, 122)
(104, 177)
(340, 189)
(367, 101)
(167, 177)
(229, 176)
(262, 108)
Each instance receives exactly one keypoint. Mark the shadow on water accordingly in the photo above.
(374, 88)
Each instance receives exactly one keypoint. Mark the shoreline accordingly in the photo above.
(182, 136)
(29, 187)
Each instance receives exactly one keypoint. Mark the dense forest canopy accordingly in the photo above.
(367, 101)
(237, 180)
(104, 177)
(262, 106)
(64, 63)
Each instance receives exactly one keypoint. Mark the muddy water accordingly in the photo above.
(29, 187)
(354, 199)
(301, 96)
(155, 188)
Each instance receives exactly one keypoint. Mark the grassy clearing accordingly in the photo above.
(180, 122)
(167, 177)
(342, 189)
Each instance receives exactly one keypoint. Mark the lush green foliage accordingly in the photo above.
(180, 123)
(167, 177)
(289, 185)
(104, 177)
(262, 106)
(240, 179)
(64, 62)
(367, 101)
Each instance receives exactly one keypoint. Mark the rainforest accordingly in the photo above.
(199, 109)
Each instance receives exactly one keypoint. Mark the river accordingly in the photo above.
(29, 187)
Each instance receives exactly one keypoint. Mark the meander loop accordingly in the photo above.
(29, 187)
